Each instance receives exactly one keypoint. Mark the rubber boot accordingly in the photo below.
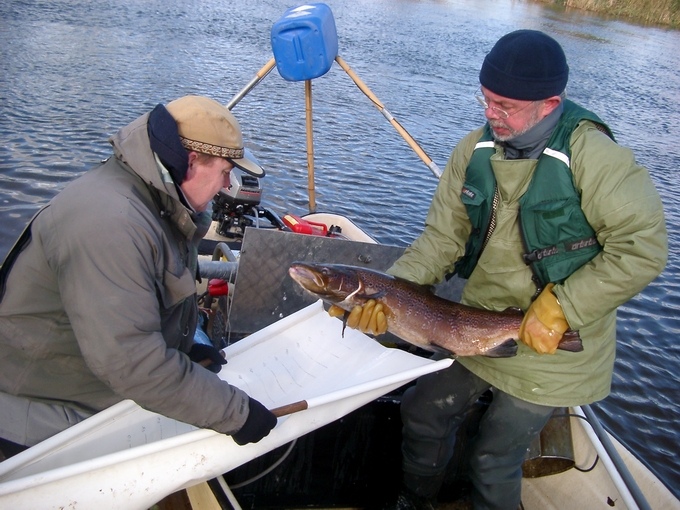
(409, 500)
(418, 492)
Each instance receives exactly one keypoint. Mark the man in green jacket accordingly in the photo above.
(98, 297)
(539, 209)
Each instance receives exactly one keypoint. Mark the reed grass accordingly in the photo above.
(657, 12)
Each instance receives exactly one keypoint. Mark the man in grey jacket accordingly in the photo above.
(98, 296)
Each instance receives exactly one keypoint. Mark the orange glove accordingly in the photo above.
(544, 323)
(369, 318)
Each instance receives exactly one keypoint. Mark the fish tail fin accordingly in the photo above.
(571, 341)
(507, 349)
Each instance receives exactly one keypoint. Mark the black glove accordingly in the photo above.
(258, 424)
(202, 352)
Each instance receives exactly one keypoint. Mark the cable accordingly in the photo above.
(269, 469)
(227, 490)
(572, 415)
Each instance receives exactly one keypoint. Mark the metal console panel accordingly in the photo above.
(265, 293)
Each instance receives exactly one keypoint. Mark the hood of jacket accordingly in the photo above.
(132, 147)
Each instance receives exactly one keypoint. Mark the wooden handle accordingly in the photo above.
(289, 408)
(266, 68)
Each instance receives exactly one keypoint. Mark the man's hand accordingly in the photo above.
(259, 423)
(207, 356)
(544, 323)
(369, 318)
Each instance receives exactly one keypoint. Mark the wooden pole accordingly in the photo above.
(400, 129)
(310, 146)
(256, 79)
(201, 497)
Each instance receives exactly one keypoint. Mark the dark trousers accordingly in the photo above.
(434, 408)
(10, 449)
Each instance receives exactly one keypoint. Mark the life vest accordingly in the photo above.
(557, 236)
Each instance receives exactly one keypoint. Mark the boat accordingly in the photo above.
(336, 393)
(127, 457)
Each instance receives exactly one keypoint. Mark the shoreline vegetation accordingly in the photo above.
(655, 12)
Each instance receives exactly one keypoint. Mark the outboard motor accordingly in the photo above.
(238, 206)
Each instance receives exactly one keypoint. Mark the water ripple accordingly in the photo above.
(73, 72)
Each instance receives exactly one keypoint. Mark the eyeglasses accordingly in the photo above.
(498, 111)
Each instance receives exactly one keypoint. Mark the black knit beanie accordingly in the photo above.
(527, 65)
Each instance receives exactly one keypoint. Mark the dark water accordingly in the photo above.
(73, 72)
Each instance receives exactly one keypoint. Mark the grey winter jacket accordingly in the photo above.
(100, 306)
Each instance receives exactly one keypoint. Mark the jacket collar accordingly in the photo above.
(530, 145)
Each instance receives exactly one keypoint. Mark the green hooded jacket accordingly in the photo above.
(621, 204)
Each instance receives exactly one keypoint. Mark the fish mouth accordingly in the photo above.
(309, 278)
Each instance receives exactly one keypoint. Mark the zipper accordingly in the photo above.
(534, 274)
(492, 219)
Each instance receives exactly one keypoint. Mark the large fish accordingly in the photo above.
(416, 315)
